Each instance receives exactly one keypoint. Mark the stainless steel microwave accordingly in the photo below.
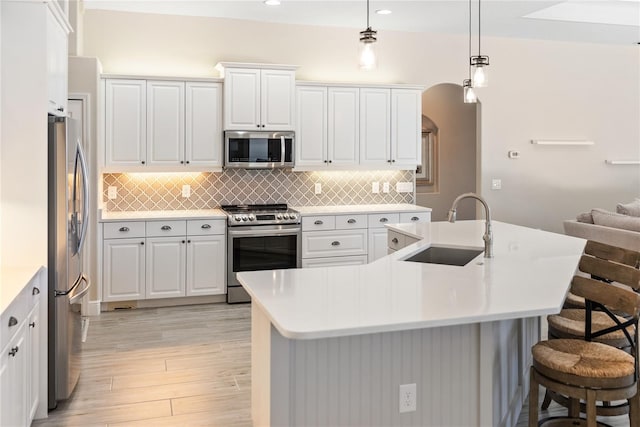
(258, 150)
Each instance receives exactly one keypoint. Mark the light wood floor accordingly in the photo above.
(175, 366)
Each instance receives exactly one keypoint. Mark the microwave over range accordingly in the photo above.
(258, 150)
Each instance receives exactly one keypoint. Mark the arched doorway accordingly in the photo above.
(454, 130)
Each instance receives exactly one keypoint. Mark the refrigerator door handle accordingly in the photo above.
(77, 296)
(85, 196)
(57, 293)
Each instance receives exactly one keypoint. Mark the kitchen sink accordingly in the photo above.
(445, 255)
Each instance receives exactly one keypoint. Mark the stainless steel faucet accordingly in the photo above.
(488, 235)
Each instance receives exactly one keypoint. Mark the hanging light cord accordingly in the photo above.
(368, 14)
(478, 26)
(469, 36)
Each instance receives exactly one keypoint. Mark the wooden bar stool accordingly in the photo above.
(581, 369)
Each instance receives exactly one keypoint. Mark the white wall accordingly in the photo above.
(538, 89)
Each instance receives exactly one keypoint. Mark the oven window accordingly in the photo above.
(259, 150)
(264, 253)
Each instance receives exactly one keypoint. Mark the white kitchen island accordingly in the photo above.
(331, 346)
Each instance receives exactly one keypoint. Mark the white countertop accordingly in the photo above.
(347, 209)
(13, 281)
(529, 276)
(151, 215)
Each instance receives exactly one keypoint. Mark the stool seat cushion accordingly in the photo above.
(574, 301)
(572, 321)
(583, 359)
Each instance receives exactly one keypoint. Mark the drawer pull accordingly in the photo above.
(394, 240)
(335, 243)
(35, 291)
(165, 227)
(415, 218)
(351, 221)
(124, 229)
(205, 226)
(383, 220)
(183, 241)
(32, 324)
(12, 321)
(318, 222)
(13, 351)
(142, 243)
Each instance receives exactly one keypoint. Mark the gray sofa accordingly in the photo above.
(613, 236)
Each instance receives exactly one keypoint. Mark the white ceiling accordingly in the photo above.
(605, 21)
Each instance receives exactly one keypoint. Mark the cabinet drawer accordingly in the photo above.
(415, 217)
(346, 222)
(123, 230)
(205, 227)
(166, 228)
(379, 220)
(311, 223)
(395, 240)
(334, 261)
(318, 244)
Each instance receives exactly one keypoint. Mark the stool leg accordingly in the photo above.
(591, 408)
(574, 407)
(634, 410)
(546, 401)
(533, 399)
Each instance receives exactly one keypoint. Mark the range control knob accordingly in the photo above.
(285, 216)
(236, 217)
(279, 216)
(293, 216)
(245, 218)
(252, 217)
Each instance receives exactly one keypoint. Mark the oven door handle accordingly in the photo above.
(282, 148)
(260, 233)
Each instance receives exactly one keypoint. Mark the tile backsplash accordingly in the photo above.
(163, 191)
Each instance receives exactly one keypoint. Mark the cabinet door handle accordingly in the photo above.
(258, 126)
(35, 291)
(32, 324)
(165, 227)
(351, 221)
(393, 161)
(187, 162)
(143, 162)
(415, 218)
(330, 161)
(383, 220)
(142, 243)
(205, 226)
(394, 240)
(335, 243)
(188, 241)
(12, 321)
(124, 229)
(13, 351)
(61, 109)
(182, 162)
(183, 241)
(318, 222)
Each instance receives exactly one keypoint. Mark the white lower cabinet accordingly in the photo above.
(334, 261)
(33, 360)
(165, 259)
(377, 243)
(13, 369)
(317, 244)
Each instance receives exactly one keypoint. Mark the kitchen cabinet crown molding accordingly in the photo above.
(162, 78)
(221, 66)
(60, 15)
(361, 85)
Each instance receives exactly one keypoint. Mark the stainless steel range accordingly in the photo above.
(260, 237)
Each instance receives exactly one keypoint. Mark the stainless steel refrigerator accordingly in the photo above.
(68, 214)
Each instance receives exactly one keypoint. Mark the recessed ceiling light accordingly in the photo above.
(272, 2)
(383, 12)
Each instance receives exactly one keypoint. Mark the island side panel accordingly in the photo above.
(354, 381)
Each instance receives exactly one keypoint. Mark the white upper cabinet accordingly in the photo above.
(406, 126)
(57, 60)
(165, 123)
(203, 124)
(311, 126)
(125, 122)
(343, 141)
(258, 98)
(375, 126)
(162, 125)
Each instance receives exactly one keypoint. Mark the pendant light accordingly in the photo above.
(467, 86)
(368, 60)
(479, 62)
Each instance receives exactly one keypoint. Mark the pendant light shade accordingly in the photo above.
(469, 94)
(367, 55)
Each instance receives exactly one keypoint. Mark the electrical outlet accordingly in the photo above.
(375, 187)
(186, 190)
(385, 187)
(496, 184)
(407, 398)
(513, 154)
(112, 192)
(317, 188)
(404, 187)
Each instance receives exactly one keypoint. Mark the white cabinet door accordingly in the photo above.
(311, 126)
(319, 244)
(375, 127)
(33, 361)
(377, 243)
(277, 95)
(57, 65)
(241, 99)
(13, 388)
(344, 130)
(166, 258)
(123, 269)
(165, 123)
(206, 260)
(406, 126)
(125, 122)
(203, 138)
